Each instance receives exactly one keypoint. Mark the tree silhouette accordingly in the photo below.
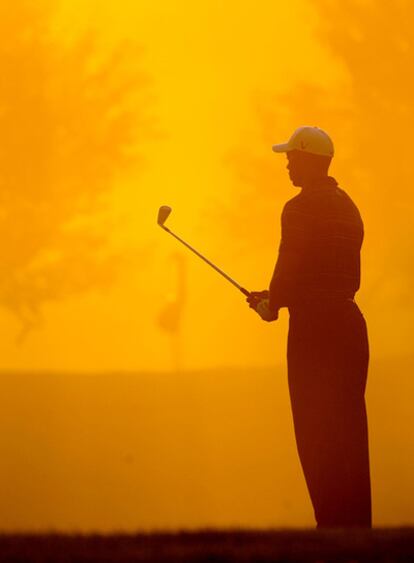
(376, 43)
(71, 123)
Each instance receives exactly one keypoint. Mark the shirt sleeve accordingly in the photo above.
(292, 251)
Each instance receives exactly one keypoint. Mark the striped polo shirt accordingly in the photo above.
(319, 253)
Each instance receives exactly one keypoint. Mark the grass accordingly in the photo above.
(214, 546)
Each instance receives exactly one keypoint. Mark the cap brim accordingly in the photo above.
(284, 147)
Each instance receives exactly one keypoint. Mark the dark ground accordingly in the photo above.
(380, 545)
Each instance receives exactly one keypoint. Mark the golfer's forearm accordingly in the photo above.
(293, 248)
(280, 293)
(284, 282)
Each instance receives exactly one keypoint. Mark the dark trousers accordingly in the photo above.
(327, 372)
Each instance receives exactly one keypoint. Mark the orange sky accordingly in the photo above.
(213, 71)
(206, 65)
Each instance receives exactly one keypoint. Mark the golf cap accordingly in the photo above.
(308, 139)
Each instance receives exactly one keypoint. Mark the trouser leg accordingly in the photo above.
(327, 364)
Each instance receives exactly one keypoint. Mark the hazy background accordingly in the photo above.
(127, 363)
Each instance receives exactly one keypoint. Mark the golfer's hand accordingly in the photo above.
(255, 297)
(265, 313)
(259, 301)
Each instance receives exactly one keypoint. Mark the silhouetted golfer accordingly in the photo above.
(316, 276)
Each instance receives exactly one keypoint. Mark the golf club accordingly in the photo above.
(163, 214)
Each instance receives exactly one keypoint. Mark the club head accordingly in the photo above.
(163, 214)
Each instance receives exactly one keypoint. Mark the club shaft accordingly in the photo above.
(228, 278)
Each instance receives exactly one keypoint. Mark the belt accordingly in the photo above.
(321, 302)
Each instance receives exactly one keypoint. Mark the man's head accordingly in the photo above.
(309, 152)
(306, 168)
